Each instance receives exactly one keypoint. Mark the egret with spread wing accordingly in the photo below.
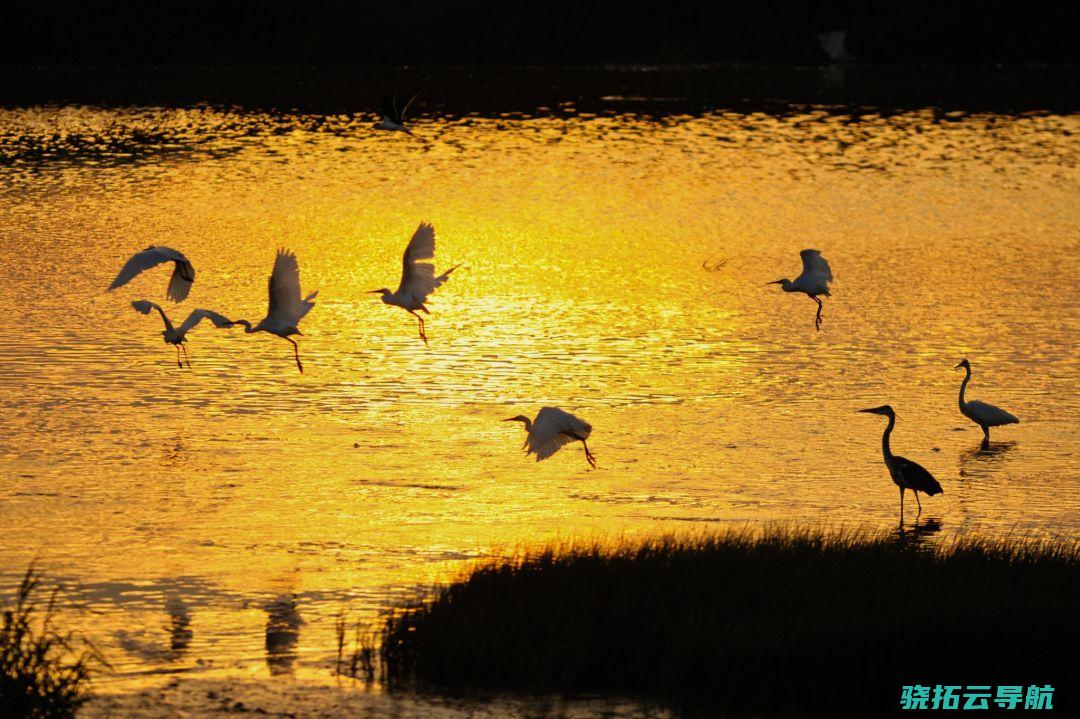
(176, 336)
(813, 281)
(905, 473)
(286, 307)
(551, 429)
(418, 278)
(983, 414)
(393, 108)
(182, 277)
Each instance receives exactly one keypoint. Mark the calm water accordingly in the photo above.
(187, 512)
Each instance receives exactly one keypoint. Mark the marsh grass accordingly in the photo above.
(360, 660)
(781, 622)
(43, 672)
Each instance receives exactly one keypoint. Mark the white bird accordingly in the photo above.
(418, 278)
(176, 336)
(286, 307)
(813, 281)
(551, 429)
(983, 414)
(182, 277)
(392, 108)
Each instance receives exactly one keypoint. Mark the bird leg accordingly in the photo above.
(589, 455)
(917, 501)
(817, 319)
(185, 355)
(178, 362)
(986, 438)
(296, 353)
(423, 334)
(901, 506)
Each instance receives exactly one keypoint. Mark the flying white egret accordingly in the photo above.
(286, 307)
(393, 108)
(551, 429)
(418, 278)
(182, 277)
(813, 281)
(176, 336)
(905, 473)
(983, 414)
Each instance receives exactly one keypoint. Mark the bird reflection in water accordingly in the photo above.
(180, 633)
(145, 643)
(282, 633)
(984, 459)
(920, 532)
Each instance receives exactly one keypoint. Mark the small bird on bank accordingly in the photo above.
(983, 414)
(286, 308)
(418, 278)
(813, 281)
(393, 108)
(551, 429)
(176, 336)
(183, 275)
(905, 473)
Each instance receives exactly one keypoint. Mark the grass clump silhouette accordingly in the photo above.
(43, 672)
(783, 622)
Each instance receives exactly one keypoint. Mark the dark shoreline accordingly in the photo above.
(788, 622)
(659, 90)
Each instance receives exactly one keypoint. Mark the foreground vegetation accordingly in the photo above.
(780, 623)
(43, 672)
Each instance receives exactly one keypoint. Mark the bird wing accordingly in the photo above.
(551, 430)
(144, 306)
(990, 415)
(814, 264)
(198, 316)
(388, 108)
(150, 257)
(183, 277)
(285, 303)
(915, 476)
(417, 275)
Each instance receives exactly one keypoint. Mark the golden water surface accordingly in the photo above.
(186, 512)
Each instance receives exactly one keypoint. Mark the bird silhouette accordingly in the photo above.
(905, 473)
(813, 281)
(176, 336)
(983, 414)
(183, 275)
(552, 429)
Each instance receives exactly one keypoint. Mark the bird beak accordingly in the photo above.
(508, 419)
(869, 411)
(373, 292)
(959, 366)
(779, 282)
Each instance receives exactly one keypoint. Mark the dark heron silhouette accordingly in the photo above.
(905, 473)
(177, 336)
(983, 414)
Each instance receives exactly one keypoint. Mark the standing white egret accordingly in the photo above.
(813, 281)
(176, 336)
(905, 473)
(286, 307)
(983, 414)
(551, 429)
(392, 108)
(418, 278)
(182, 277)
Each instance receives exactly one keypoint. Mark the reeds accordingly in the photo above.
(43, 672)
(778, 623)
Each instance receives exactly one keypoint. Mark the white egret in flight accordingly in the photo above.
(551, 429)
(983, 414)
(176, 336)
(182, 277)
(393, 107)
(813, 281)
(286, 307)
(418, 278)
(905, 473)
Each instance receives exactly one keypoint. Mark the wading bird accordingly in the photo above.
(551, 429)
(182, 277)
(418, 278)
(813, 281)
(176, 336)
(983, 414)
(905, 473)
(286, 307)
(393, 108)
